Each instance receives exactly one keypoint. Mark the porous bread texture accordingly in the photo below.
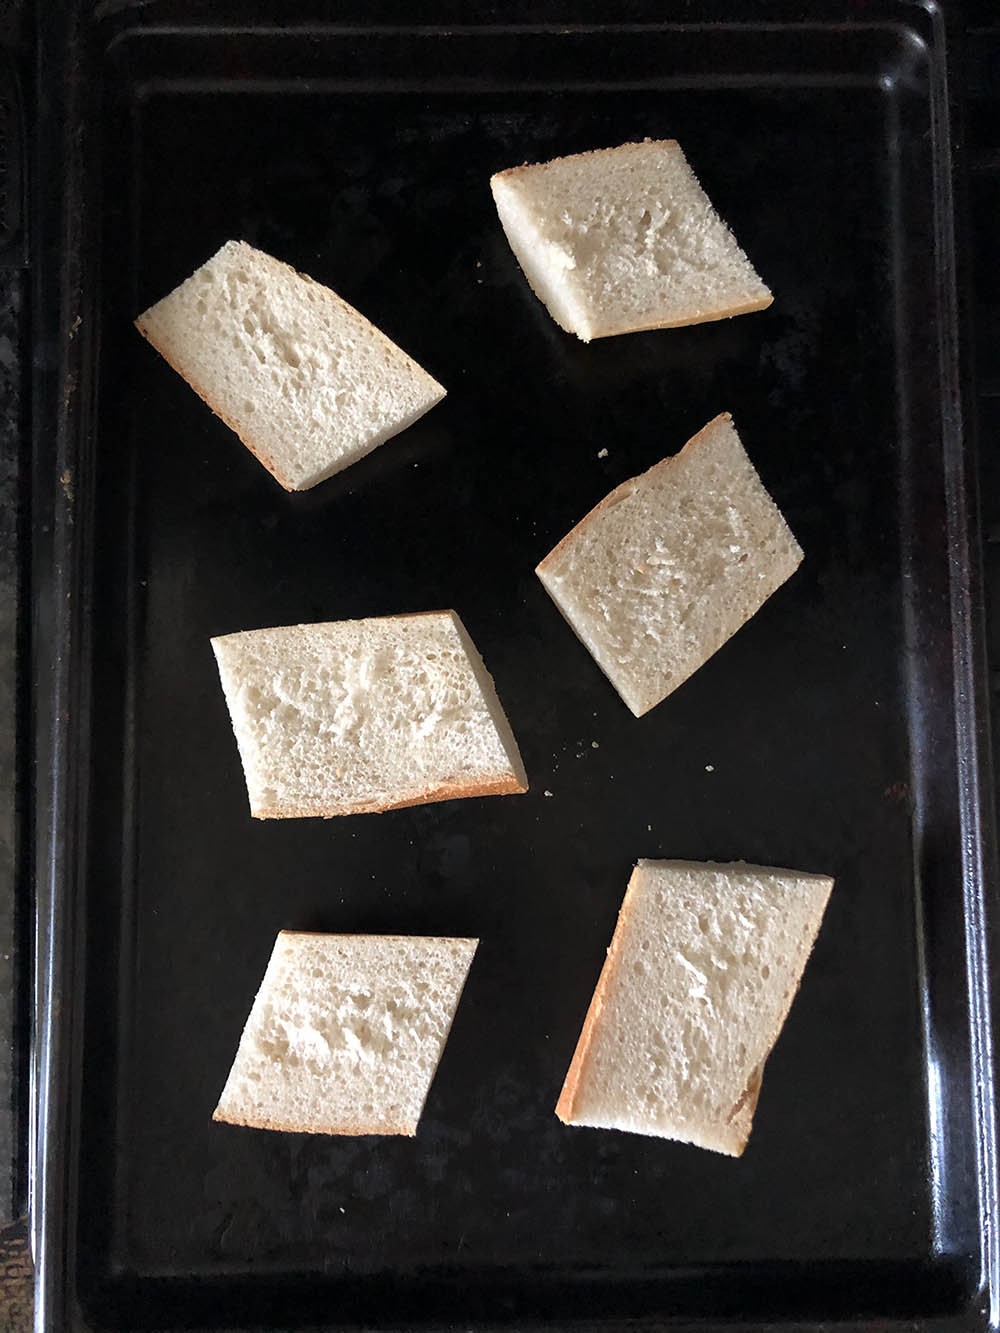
(624, 239)
(365, 715)
(702, 970)
(668, 566)
(305, 381)
(346, 1033)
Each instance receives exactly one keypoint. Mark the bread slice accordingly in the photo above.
(346, 1033)
(670, 565)
(363, 715)
(624, 239)
(305, 381)
(705, 962)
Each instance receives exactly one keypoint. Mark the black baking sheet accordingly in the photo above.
(834, 733)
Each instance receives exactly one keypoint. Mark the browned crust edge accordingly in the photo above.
(317, 624)
(380, 935)
(566, 1105)
(818, 877)
(260, 454)
(590, 152)
(626, 488)
(406, 1130)
(739, 1122)
(728, 312)
(506, 785)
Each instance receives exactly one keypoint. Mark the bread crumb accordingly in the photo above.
(709, 768)
(546, 792)
(602, 453)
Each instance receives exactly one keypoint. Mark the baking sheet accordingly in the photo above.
(827, 735)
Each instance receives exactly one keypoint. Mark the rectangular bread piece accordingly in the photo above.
(346, 1033)
(624, 239)
(667, 567)
(365, 715)
(307, 383)
(702, 970)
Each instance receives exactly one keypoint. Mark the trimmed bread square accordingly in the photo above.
(668, 566)
(305, 381)
(346, 1033)
(624, 239)
(365, 715)
(701, 973)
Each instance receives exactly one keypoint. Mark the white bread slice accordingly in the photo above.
(346, 1033)
(365, 715)
(668, 566)
(702, 970)
(624, 239)
(305, 381)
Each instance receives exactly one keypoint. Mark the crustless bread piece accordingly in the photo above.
(305, 381)
(668, 566)
(624, 239)
(702, 970)
(365, 715)
(346, 1033)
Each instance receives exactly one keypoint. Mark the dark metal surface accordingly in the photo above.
(13, 871)
(984, 300)
(838, 731)
(14, 864)
(12, 230)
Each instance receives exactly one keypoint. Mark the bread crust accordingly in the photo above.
(503, 785)
(406, 1130)
(381, 936)
(628, 148)
(262, 456)
(566, 1105)
(746, 308)
(624, 489)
